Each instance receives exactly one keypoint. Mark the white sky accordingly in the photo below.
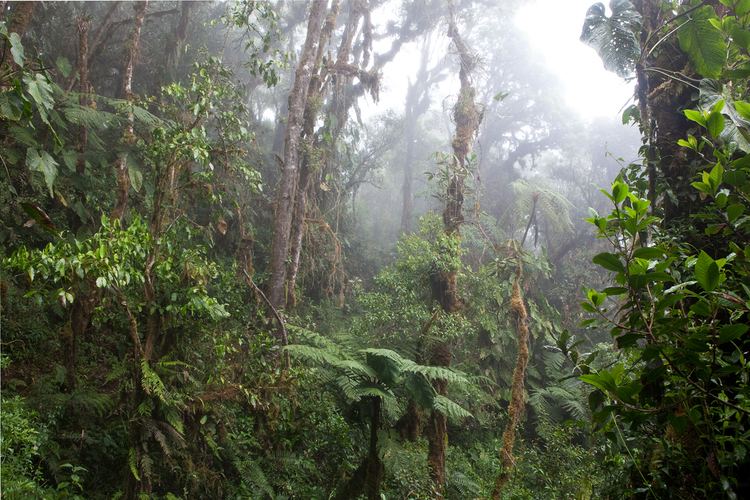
(553, 28)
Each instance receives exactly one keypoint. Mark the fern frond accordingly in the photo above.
(435, 372)
(450, 409)
(317, 355)
(89, 118)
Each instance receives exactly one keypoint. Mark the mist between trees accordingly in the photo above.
(368, 249)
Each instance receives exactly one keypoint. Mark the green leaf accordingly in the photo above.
(695, 116)
(609, 261)
(648, 253)
(734, 211)
(703, 43)
(63, 65)
(619, 192)
(743, 108)
(614, 38)
(41, 161)
(732, 332)
(16, 48)
(715, 124)
(136, 178)
(70, 158)
(706, 272)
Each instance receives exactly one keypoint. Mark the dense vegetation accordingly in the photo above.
(229, 271)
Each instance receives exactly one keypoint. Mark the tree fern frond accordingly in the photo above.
(252, 474)
(355, 368)
(317, 355)
(435, 372)
(89, 118)
(450, 409)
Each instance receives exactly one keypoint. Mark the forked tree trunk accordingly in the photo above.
(310, 156)
(286, 192)
(126, 92)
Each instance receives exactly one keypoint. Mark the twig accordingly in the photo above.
(282, 324)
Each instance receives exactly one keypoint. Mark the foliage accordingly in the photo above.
(614, 38)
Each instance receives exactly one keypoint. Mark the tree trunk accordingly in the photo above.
(177, 40)
(661, 100)
(374, 473)
(286, 192)
(467, 117)
(311, 146)
(517, 399)
(102, 31)
(20, 18)
(126, 92)
(83, 88)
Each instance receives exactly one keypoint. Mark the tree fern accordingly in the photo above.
(449, 408)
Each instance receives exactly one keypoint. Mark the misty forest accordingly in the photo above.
(342, 249)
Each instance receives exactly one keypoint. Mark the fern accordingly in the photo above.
(435, 372)
(89, 118)
(450, 409)
(317, 355)
(151, 382)
(133, 464)
(253, 474)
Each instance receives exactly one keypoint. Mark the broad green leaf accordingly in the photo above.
(743, 108)
(648, 253)
(63, 66)
(695, 116)
(703, 43)
(70, 158)
(614, 38)
(732, 332)
(136, 178)
(609, 261)
(706, 272)
(41, 161)
(734, 211)
(715, 124)
(16, 48)
(619, 192)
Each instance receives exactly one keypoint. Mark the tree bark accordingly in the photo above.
(467, 117)
(661, 100)
(374, 473)
(84, 88)
(20, 18)
(290, 168)
(177, 40)
(517, 398)
(126, 92)
(309, 156)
